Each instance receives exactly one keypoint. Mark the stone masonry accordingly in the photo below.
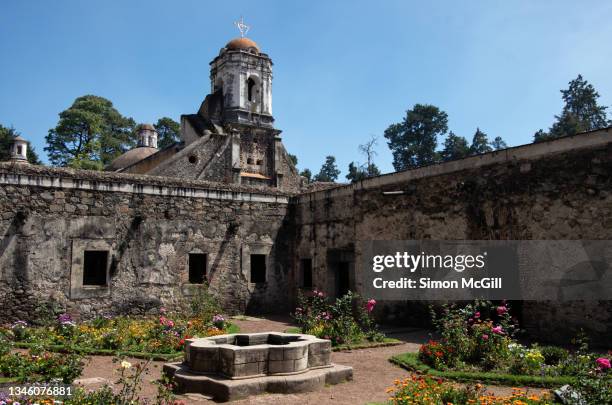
(149, 226)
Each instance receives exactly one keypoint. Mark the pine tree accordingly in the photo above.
(413, 142)
(580, 113)
(455, 147)
(480, 143)
(498, 143)
(329, 171)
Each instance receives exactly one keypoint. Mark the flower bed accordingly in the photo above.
(346, 321)
(424, 390)
(154, 335)
(478, 343)
(126, 392)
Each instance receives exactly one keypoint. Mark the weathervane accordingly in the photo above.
(242, 27)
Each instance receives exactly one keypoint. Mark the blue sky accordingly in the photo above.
(343, 70)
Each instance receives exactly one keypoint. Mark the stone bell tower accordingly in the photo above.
(243, 75)
(232, 138)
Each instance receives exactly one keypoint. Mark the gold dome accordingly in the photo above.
(242, 43)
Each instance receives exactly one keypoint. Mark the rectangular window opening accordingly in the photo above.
(258, 268)
(95, 265)
(307, 273)
(342, 279)
(197, 268)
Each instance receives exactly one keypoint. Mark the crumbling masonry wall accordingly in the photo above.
(556, 190)
(149, 225)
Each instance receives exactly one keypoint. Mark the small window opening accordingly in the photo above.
(342, 279)
(307, 273)
(258, 268)
(19, 150)
(193, 159)
(197, 268)
(94, 267)
(249, 161)
(260, 162)
(251, 89)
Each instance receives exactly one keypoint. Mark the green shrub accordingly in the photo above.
(344, 321)
(553, 355)
(204, 305)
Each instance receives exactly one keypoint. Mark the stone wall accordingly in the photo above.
(556, 190)
(149, 225)
(560, 189)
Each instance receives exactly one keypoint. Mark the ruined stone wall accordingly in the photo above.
(48, 217)
(556, 190)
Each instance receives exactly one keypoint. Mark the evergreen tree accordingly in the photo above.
(413, 141)
(6, 140)
(329, 171)
(293, 159)
(580, 113)
(307, 173)
(455, 147)
(498, 143)
(355, 173)
(168, 132)
(89, 134)
(372, 170)
(480, 143)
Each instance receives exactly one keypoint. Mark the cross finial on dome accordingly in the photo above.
(242, 27)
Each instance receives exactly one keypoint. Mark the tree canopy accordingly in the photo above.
(480, 143)
(306, 173)
(89, 134)
(168, 132)
(329, 171)
(455, 147)
(581, 112)
(6, 140)
(498, 143)
(413, 141)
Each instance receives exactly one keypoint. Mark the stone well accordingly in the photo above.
(228, 367)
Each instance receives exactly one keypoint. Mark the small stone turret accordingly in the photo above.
(19, 150)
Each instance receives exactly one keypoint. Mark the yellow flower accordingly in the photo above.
(126, 364)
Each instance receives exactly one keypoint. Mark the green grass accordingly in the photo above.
(233, 328)
(367, 345)
(411, 362)
(354, 346)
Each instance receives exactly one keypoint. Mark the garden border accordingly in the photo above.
(346, 347)
(101, 352)
(411, 362)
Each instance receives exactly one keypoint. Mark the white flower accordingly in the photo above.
(126, 364)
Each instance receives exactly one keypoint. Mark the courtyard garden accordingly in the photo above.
(476, 358)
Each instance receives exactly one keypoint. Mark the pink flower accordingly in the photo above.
(501, 310)
(371, 304)
(485, 337)
(498, 330)
(603, 363)
(477, 315)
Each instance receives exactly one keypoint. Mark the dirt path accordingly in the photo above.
(372, 372)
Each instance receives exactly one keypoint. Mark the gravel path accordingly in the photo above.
(372, 372)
